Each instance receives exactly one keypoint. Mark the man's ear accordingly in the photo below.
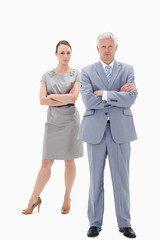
(97, 48)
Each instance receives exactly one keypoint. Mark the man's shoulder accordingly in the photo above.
(124, 65)
(89, 67)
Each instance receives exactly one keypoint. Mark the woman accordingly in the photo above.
(59, 90)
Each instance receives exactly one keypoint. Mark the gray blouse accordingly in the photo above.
(60, 83)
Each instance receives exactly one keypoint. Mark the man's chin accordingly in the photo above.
(107, 60)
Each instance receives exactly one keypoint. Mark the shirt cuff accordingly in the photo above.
(104, 95)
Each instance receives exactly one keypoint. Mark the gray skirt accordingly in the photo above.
(60, 137)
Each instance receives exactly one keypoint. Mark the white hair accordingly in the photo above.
(107, 35)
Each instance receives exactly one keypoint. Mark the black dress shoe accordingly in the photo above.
(93, 231)
(128, 232)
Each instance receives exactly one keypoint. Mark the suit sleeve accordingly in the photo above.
(91, 101)
(123, 99)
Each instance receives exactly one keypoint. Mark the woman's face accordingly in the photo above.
(63, 54)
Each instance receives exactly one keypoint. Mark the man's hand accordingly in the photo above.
(128, 87)
(98, 93)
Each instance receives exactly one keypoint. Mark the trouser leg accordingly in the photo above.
(119, 155)
(96, 157)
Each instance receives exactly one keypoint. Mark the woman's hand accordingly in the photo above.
(72, 90)
(51, 96)
(67, 98)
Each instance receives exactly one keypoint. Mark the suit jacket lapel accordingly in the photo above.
(101, 73)
(115, 71)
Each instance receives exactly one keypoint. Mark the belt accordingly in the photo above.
(70, 104)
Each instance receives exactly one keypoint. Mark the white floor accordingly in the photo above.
(51, 224)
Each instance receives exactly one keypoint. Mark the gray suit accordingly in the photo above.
(108, 139)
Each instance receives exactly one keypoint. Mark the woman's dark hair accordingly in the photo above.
(64, 42)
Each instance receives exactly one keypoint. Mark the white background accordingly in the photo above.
(30, 31)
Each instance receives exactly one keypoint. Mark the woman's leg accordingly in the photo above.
(42, 179)
(70, 174)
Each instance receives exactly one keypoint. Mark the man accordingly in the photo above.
(108, 91)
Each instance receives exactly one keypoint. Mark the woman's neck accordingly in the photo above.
(63, 69)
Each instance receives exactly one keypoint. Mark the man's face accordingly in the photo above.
(107, 50)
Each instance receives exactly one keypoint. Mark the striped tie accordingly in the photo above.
(107, 72)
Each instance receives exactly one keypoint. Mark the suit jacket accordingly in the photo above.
(117, 106)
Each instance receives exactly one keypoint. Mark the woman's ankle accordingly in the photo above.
(32, 201)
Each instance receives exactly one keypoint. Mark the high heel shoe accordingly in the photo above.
(66, 210)
(30, 210)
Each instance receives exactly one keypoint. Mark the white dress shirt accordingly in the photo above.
(104, 96)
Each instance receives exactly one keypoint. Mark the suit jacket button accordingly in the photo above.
(106, 113)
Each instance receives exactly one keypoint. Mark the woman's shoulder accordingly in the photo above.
(76, 72)
(47, 76)
(77, 75)
(49, 73)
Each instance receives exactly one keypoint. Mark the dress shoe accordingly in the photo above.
(93, 231)
(128, 232)
(66, 210)
(30, 210)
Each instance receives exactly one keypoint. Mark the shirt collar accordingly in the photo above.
(104, 64)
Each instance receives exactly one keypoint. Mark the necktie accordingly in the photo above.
(107, 72)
